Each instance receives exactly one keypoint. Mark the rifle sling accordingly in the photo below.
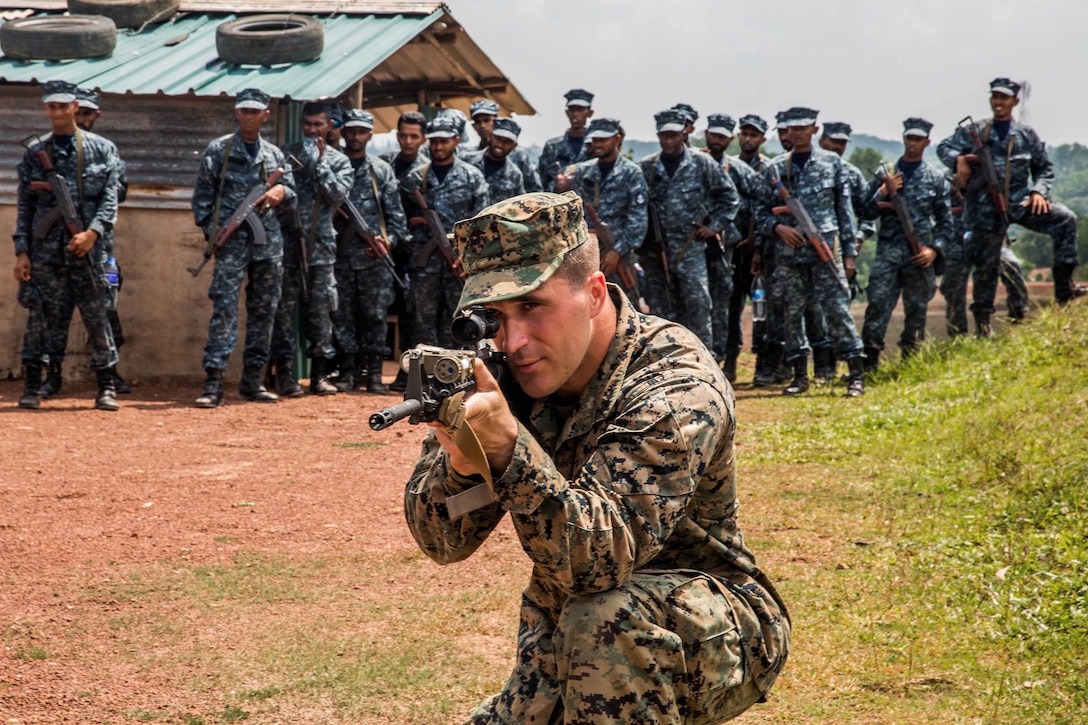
(378, 201)
(219, 195)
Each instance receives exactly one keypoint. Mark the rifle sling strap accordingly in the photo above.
(219, 194)
(378, 201)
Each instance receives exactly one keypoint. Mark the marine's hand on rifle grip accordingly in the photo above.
(270, 198)
(489, 415)
(83, 242)
(22, 267)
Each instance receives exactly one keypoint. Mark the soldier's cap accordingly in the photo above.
(506, 128)
(484, 106)
(252, 98)
(88, 99)
(670, 120)
(442, 127)
(58, 92)
(780, 119)
(917, 127)
(754, 121)
(801, 116)
(578, 97)
(720, 123)
(838, 131)
(603, 128)
(358, 118)
(512, 247)
(459, 119)
(687, 112)
(1006, 86)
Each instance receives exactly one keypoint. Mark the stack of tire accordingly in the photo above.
(90, 31)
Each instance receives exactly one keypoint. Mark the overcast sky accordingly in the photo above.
(871, 64)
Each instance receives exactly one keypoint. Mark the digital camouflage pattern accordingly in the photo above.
(555, 157)
(628, 510)
(957, 271)
(61, 288)
(321, 185)
(504, 182)
(927, 194)
(263, 279)
(317, 309)
(620, 199)
(863, 228)
(521, 158)
(390, 157)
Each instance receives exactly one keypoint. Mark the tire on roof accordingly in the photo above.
(58, 37)
(270, 39)
(127, 13)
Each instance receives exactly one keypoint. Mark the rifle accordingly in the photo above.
(989, 177)
(606, 240)
(437, 238)
(244, 213)
(65, 207)
(897, 203)
(795, 208)
(291, 224)
(364, 232)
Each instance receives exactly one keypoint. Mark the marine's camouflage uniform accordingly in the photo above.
(644, 606)
(699, 192)
(59, 279)
(240, 258)
(927, 195)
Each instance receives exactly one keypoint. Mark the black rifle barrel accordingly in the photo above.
(388, 416)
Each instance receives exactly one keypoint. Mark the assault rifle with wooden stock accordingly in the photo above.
(982, 156)
(898, 204)
(625, 270)
(436, 238)
(808, 229)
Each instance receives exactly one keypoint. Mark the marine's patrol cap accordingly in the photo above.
(579, 97)
(506, 128)
(512, 247)
(59, 92)
(838, 131)
(688, 112)
(917, 127)
(801, 116)
(484, 106)
(442, 127)
(754, 121)
(358, 118)
(720, 123)
(603, 128)
(88, 99)
(252, 98)
(670, 120)
(1006, 86)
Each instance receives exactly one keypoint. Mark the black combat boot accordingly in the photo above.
(400, 384)
(872, 359)
(53, 380)
(374, 375)
(319, 379)
(120, 385)
(729, 367)
(855, 388)
(250, 387)
(349, 369)
(800, 377)
(767, 363)
(1065, 289)
(286, 382)
(213, 389)
(823, 365)
(107, 394)
(982, 325)
(31, 397)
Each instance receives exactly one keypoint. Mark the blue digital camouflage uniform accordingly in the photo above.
(435, 289)
(402, 257)
(365, 283)
(645, 605)
(557, 156)
(240, 258)
(769, 335)
(698, 192)
(58, 277)
(802, 279)
(957, 270)
(927, 194)
(504, 182)
(521, 158)
(1024, 155)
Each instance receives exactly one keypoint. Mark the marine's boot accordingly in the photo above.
(800, 377)
(730, 367)
(107, 393)
(212, 396)
(319, 377)
(982, 325)
(823, 365)
(31, 397)
(767, 363)
(374, 382)
(400, 383)
(855, 388)
(1065, 289)
(120, 384)
(286, 382)
(782, 371)
(349, 369)
(250, 388)
(53, 380)
(872, 359)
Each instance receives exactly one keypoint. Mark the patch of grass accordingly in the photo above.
(33, 653)
(369, 445)
(233, 713)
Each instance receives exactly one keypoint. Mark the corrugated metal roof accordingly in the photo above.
(180, 57)
(376, 7)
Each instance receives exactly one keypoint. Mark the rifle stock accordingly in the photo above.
(808, 229)
(607, 241)
(985, 159)
(364, 232)
(436, 238)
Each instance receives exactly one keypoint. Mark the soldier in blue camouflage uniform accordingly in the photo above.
(614, 185)
(926, 192)
(231, 166)
(957, 270)
(504, 178)
(483, 114)
(56, 269)
(690, 116)
(645, 605)
(696, 203)
(1024, 168)
(364, 282)
(564, 151)
(817, 179)
(720, 261)
(322, 183)
(454, 190)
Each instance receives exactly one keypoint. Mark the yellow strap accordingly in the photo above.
(378, 201)
(452, 415)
